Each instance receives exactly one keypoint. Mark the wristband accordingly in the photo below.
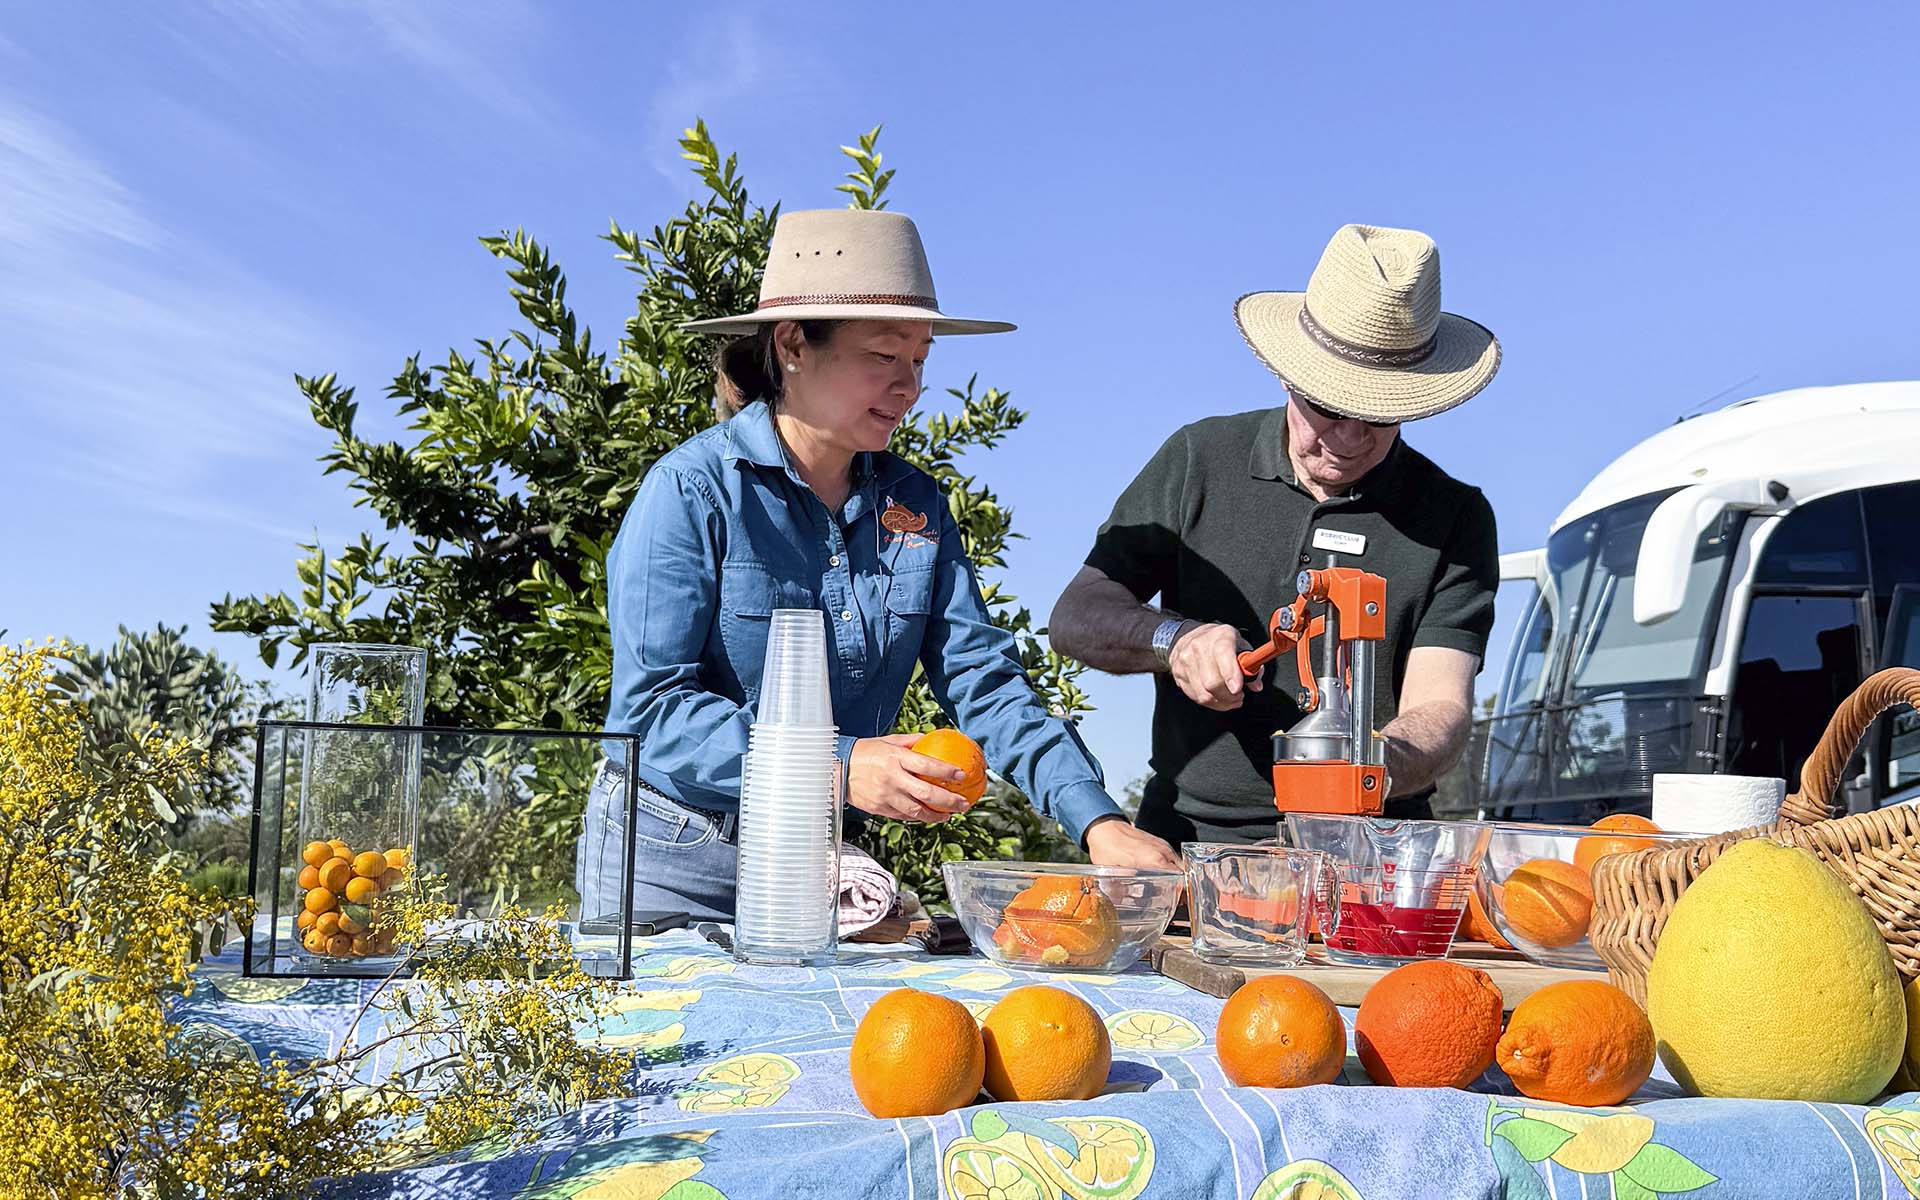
(1163, 639)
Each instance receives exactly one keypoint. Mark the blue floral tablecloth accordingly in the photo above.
(743, 1092)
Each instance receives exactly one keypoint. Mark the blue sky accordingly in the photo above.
(1650, 204)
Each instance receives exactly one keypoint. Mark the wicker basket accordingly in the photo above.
(1876, 853)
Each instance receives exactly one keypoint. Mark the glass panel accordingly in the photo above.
(495, 814)
(1800, 657)
(1820, 543)
(1903, 650)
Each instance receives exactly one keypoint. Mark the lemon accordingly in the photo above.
(1771, 982)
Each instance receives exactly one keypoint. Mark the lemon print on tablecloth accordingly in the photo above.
(979, 1008)
(934, 976)
(1895, 1133)
(254, 991)
(755, 1080)
(684, 967)
(1150, 1029)
(646, 1020)
(1011, 1154)
(662, 1168)
(976, 1172)
(1617, 1143)
(1308, 1179)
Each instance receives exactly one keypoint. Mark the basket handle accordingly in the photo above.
(1821, 774)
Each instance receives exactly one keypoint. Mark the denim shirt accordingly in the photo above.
(723, 531)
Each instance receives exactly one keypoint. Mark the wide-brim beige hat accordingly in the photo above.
(1367, 338)
(847, 264)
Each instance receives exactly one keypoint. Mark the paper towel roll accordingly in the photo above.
(1716, 803)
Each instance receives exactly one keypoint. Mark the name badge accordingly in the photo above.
(1338, 542)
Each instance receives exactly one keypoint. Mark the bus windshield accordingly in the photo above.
(1595, 647)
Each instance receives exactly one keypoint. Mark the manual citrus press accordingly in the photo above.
(1331, 761)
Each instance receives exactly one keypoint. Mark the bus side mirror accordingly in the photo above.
(1666, 547)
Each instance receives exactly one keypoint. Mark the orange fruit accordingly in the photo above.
(390, 878)
(309, 876)
(339, 945)
(1592, 849)
(348, 925)
(328, 923)
(1043, 1043)
(396, 859)
(1578, 1042)
(362, 945)
(360, 889)
(334, 875)
(369, 863)
(305, 920)
(320, 900)
(1548, 902)
(952, 746)
(916, 1054)
(381, 941)
(1478, 928)
(1428, 1024)
(1278, 1032)
(340, 849)
(315, 942)
(1062, 920)
(316, 853)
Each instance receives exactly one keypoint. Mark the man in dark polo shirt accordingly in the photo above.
(1231, 508)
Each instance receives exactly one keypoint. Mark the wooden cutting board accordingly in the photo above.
(1346, 985)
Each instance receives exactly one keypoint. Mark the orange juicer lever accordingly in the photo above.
(1331, 761)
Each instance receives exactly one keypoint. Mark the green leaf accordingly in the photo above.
(988, 1125)
(1535, 1140)
(1664, 1169)
(1624, 1188)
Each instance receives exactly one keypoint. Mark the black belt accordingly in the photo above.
(725, 823)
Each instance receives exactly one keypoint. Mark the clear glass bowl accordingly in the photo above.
(1403, 885)
(1548, 926)
(1065, 916)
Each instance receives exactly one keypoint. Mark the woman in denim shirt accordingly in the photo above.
(780, 506)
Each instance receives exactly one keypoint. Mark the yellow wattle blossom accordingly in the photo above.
(98, 931)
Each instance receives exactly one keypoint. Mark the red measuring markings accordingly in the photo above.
(1392, 931)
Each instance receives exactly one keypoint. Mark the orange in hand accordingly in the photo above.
(1043, 1043)
(916, 1055)
(1592, 849)
(1578, 1042)
(952, 746)
(1428, 1024)
(1548, 902)
(1060, 920)
(1278, 1032)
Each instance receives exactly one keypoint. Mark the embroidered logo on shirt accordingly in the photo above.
(903, 526)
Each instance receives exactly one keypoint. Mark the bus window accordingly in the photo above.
(1902, 755)
(1821, 543)
(1801, 656)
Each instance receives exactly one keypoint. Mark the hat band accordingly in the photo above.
(1365, 356)
(888, 298)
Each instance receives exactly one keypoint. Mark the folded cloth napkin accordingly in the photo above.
(868, 891)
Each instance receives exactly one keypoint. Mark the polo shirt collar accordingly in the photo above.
(1270, 460)
(751, 437)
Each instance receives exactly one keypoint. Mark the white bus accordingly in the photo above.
(1706, 602)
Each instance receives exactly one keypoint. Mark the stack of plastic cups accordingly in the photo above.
(791, 787)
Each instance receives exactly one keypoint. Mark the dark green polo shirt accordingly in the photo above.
(1218, 527)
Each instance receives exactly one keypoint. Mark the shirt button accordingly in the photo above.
(846, 614)
(834, 561)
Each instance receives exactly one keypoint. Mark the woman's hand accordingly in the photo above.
(882, 779)
(1112, 841)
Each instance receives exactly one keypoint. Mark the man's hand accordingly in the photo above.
(1113, 842)
(1206, 665)
(883, 779)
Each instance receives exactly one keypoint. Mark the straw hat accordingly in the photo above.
(1367, 338)
(846, 264)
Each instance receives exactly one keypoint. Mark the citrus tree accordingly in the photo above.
(522, 455)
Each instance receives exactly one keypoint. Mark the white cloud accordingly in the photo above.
(50, 192)
(723, 62)
(479, 48)
(136, 361)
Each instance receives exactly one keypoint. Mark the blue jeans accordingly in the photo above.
(684, 860)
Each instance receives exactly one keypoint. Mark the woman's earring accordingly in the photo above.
(793, 366)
